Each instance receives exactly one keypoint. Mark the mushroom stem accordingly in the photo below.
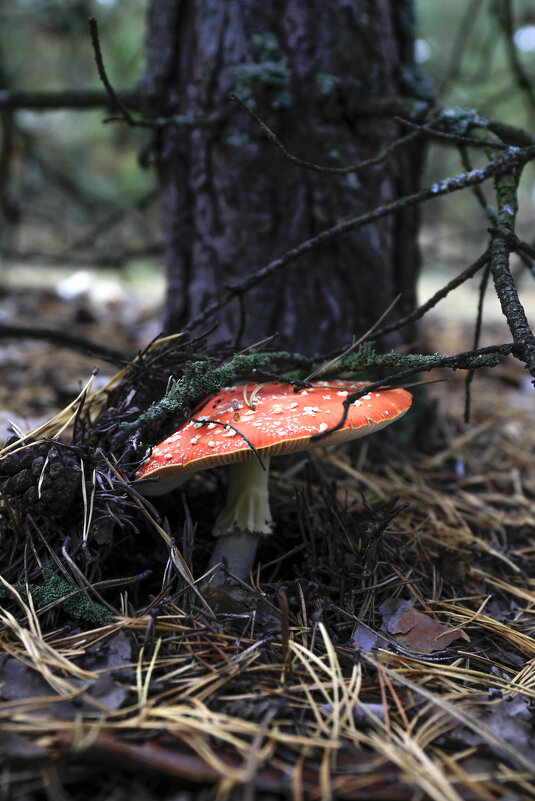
(239, 550)
(246, 515)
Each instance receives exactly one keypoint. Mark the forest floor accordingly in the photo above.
(385, 649)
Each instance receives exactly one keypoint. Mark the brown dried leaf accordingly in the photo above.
(415, 630)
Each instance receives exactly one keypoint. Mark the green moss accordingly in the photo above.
(326, 82)
(268, 76)
(69, 598)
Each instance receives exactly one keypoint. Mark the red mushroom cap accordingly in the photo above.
(274, 419)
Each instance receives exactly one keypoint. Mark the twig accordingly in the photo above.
(447, 136)
(116, 101)
(477, 335)
(63, 338)
(355, 345)
(469, 272)
(72, 99)
(504, 16)
(234, 428)
(111, 220)
(98, 259)
(272, 136)
(490, 213)
(499, 166)
(523, 337)
(460, 361)
(460, 41)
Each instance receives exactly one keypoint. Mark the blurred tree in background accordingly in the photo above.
(327, 79)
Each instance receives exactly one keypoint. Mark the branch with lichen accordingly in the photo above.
(502, 242)
(524, 339)
(415, 363)
(203, 378)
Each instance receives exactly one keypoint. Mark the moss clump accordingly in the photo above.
(57, 590)
(268, 76)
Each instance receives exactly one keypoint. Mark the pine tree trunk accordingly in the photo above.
(231, 203)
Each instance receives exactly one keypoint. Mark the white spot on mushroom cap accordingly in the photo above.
(194, 440)
(342, 393)
(323, 427)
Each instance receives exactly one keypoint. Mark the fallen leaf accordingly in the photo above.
(510, 719)
(20, 682)
(415, 630)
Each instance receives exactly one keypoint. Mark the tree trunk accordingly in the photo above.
(231, 203)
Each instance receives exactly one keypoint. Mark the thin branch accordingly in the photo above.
(62, 338)
(477, 335)
(524, 339)
(522, 248)
(511, 134)
(234, 428)
(465, 275)
(67, 259)
(86, 99)
(504, 16)
(499, 166)
(323, 367)
(73, 99)
(447, 136)
(460, 41)
(468, 360)
(116, 101)
(490, 213)
(309, 165)
(116, 216)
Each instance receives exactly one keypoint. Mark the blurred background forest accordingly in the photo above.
(79, 203)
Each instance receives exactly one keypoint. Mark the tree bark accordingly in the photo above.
(231, 203)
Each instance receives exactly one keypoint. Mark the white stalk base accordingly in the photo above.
(239, 550)
(245, 518)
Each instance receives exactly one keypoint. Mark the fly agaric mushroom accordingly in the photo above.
(275, 420)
